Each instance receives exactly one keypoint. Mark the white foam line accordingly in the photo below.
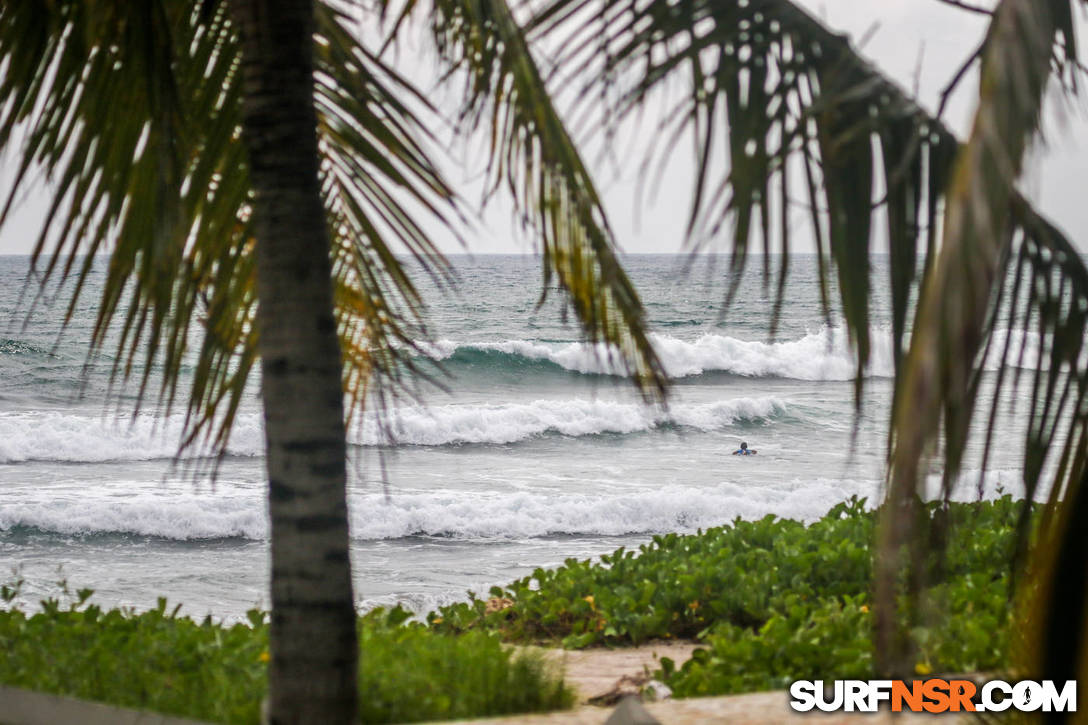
(471, 516)
(822, 355)
(57, 436)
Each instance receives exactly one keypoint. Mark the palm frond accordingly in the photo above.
(979, 225)
(985, 219)
(792, 105)
(786, 99)
(164, 188)
(102, 164)
(791, 97)
(1054, 641)
(533, 156)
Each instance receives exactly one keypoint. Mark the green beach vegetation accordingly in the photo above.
(773, 600)
(770, 601)
(171, 664)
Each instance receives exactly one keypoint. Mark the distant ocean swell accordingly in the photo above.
(823, 355)
(817, 356)
(64, 436)
(511, 422)
(460, 515)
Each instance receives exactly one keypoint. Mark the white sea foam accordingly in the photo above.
(455, 514)
(665, 509)
(471, 516)
(86, 437)
(166, 515)
(55, 436)
(822, 355)
(510, 422)
(531, 514)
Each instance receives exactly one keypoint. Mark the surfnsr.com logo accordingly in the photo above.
(933, 695)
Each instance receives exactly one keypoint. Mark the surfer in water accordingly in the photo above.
(744, 450)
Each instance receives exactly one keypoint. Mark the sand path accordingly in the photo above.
(595, 672)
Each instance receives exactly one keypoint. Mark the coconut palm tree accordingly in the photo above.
(188, 186)
(253, 170)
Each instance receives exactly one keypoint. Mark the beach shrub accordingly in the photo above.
(153, 660)
(161, 662)
(814, 640)
(772, 599)
(679, 585)
(408, 673)
(831, 639)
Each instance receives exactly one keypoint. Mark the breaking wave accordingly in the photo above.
(823, 355)
(70, 437)
(512, 422)
(471, 516)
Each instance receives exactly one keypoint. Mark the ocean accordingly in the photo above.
(535, 453)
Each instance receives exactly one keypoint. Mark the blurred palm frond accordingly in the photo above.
(134, 117)
(533, 157)
(796, 111)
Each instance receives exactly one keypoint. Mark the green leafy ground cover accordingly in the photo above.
(161, 662)
(773, 600)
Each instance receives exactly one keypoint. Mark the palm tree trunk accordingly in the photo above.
(312, 673)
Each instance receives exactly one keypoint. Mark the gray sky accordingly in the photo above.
(915, 41)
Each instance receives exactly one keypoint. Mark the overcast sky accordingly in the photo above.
(915, 41)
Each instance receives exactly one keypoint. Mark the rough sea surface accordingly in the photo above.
(537, 452)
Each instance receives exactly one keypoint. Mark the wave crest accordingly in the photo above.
(512, 422)
(71, 437)
(86, 438)
(468, 516)
(823, 355)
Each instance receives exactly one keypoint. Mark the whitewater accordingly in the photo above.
(52, 436)
(820, 355)
(533, 450)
